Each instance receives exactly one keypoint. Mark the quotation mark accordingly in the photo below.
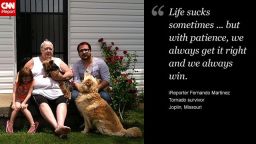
(159, 12)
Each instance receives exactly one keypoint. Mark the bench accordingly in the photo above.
(73, 119)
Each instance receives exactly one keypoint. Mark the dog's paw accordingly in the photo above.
(85, 131)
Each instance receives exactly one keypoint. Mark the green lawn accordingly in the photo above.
(132, 118)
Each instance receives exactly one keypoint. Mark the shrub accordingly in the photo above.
(124, 91)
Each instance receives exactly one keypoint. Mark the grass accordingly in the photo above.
(132, 118)
(73, 138)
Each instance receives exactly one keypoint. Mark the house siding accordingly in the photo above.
(118, 21)
(7, 54)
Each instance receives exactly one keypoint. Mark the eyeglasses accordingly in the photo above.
(82, 50)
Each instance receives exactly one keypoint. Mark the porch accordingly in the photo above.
(5, 103)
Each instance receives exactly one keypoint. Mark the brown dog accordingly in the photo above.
(97, 113)
(52, 69)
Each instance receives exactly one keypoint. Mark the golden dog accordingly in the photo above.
(52, 70)
(97, 113)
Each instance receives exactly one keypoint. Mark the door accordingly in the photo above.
(36, 21)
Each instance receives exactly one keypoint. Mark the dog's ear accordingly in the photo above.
(95, 88)
(88, 82)
(45, 65)
(51, 62)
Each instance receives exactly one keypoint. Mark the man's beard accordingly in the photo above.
(86, 57)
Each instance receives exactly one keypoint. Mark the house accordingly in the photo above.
(67, 23)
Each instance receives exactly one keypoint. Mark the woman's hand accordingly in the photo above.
(13, 106)
(24, 105)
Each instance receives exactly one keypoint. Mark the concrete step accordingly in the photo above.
(5, 102)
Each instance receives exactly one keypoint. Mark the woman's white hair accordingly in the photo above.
(46, 41)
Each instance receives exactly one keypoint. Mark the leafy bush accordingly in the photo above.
(124, 91)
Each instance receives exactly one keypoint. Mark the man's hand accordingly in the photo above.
(103, 84)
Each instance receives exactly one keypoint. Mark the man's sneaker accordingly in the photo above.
(33, 128)
(9, 127)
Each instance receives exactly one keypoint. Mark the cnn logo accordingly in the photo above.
(8, 5)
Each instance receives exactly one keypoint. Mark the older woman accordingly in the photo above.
(47, 91)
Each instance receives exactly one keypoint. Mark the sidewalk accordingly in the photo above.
(5, 102)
